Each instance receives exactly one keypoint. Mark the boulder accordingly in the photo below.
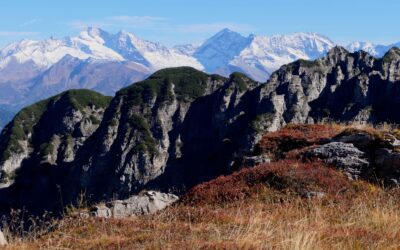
(359, 138)
(387, 164)
(367, 141)
(344, 156)
(251, 161)
(147, 203)
(101, 211)
(312, 194)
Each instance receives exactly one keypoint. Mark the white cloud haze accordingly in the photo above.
(157, 23)
(28, 23)
(18, 33)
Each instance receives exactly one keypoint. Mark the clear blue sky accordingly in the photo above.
(179, 21)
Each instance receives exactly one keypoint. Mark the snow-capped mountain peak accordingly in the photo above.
(151, 54)
(226, 33)
(220, 49)
(258, 56)
(305, 42)
(95, 32)
(265, 54)
(376, 50)
(94, 35)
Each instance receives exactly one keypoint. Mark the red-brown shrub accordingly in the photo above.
(287, 176)
(291, 137)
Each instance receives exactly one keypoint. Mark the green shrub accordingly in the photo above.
(189, 85)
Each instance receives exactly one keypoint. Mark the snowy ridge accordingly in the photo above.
(377, 50)
(95, 59)
(266, 54)
(223, 53)
(186, 49)
(97, 44)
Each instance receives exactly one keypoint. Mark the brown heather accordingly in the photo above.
(277, 144)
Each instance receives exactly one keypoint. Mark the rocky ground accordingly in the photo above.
(311, 187)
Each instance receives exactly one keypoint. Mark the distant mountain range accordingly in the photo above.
(377, 50)
(97, 60)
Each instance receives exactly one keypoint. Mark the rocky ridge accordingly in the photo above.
(181, 127)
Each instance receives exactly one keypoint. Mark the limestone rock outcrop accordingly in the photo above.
(143, 204)
(345, 156)
(360, 154)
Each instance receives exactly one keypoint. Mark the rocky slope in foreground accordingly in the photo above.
(181, 127)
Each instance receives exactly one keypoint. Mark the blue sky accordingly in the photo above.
(178, 21)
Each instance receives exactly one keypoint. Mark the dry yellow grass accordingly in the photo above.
(369, 220)
(258, 208)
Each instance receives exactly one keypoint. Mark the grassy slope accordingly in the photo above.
(262, 207)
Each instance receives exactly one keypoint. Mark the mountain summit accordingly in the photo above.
(217, 52)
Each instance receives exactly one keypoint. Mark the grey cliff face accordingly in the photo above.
(164, 134)
(342, 86)
(161, 136)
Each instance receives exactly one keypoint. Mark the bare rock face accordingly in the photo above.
(342, 86)
(360, 154)
(147, 203)
(345, 156)
(154, 133)
(181, 127)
